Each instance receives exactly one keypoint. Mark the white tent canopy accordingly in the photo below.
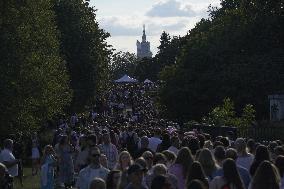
(148, 81)
(126, 79)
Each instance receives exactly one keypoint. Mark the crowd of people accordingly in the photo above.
(123, 144)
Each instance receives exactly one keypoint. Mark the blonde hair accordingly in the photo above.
(207, 160)
(159, 169)
(119, 163)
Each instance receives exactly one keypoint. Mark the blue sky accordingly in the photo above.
(124, 19)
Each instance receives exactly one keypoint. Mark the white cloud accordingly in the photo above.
(171, 8)
(125, 30)
(125, 23)
(127, 26)
(119, 26)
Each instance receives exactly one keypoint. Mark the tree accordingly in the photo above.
(122, 63)
(84, 47)
(169, 50)
(165, 41)
(235, 53)
(146, 69)
(225, 115)
(33, 79)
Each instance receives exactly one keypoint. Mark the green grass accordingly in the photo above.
(29, 181)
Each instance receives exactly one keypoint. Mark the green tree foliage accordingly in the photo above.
(123, 63)
(146, 69)
(169, 49)
(84, 47)
(225, 115)
(238, 53)
(33, 79)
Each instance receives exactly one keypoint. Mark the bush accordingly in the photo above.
(225, 115)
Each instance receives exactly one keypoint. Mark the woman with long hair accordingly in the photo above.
(208, 163)
(124, 161)
(66, 166)
(48, 163)
(279, 163)
(245, 159)
(196, 172)
(113, 179)
(261, 155)
(35, 154)
(182, 166)
(266, 177)
(231, 178)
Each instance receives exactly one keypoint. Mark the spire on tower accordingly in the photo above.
(144, 34)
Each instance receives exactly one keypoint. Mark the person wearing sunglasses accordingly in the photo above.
(93, 170)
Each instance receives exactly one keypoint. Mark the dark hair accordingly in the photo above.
(231, 173)
(141, 161)
(166, 142)
(251, 146)
(201, 139)
(158, 182)
(217, 143)
(185, 159)
(196, 172)
(193, 145)
(279, 163)
(92, 138)
(109, 179)
(158, 131)
(62, 139)
(196, 184)
(219, 153)
(279, 150)
(266, 176)
(207, 136)
(261, 154)
(8, 143)
(169, 155)
(159, 157)
(225, 141)
(232, 153)
(272, 146)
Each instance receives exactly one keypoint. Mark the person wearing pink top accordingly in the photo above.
(181, 166)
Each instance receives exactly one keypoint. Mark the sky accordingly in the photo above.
(124, 19)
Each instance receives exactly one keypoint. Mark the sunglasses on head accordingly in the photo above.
(148, 158)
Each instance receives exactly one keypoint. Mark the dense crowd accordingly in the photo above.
(122, 144)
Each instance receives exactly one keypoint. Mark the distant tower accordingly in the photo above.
(143, 47)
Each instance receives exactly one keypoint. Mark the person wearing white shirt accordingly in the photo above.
(109, 150)
(8, 159)
(93, 170)
(245, 159)
(155, 141)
